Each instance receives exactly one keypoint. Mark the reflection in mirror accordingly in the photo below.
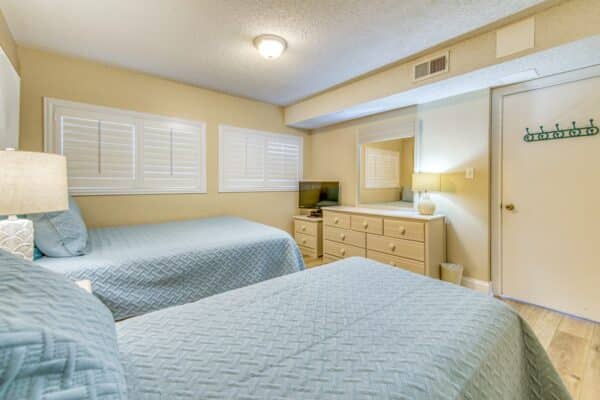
(386, 170)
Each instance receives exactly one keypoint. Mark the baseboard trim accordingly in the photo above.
(477, 285)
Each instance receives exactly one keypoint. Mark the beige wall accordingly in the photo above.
(564, 22)
(407, 162)
(52, 75)
(455, 135)
(7, 42)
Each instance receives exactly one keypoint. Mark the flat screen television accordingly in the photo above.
(318, 194)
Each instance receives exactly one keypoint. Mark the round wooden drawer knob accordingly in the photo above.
(343, 236)
(342, 251)
(392, 246)
(303, 241)
(303, 227)
(365, 224)
(336, 220)
(402, 230)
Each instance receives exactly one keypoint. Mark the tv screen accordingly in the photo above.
(318, 194)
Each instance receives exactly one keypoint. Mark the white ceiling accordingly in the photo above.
(208, 43)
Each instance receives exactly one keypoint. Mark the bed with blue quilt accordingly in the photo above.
(353, 329)
(141, 268)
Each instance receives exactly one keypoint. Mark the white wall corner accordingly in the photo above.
(484, 287)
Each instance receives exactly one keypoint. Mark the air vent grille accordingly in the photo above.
(431, 67)
(437, 65)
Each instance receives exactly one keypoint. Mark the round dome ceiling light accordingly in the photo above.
(270, 46)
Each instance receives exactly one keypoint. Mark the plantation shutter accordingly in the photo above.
(100, 152)
(258, 161)
(283, 162)
(171, 156)
(113, 151)
(382, 168)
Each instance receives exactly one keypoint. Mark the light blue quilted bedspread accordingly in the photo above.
(355, 329)
(142, 268)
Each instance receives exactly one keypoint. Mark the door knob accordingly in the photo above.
(510, 207)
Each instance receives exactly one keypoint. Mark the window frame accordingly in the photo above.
(222, 132)
(52, 145)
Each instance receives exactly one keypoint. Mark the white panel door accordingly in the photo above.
(551, 239)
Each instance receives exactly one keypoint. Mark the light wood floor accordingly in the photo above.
(572, 344)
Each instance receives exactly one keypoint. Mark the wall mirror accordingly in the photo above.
(386, 155)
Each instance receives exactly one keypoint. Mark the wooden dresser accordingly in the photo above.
(308, 232)
(404, 239)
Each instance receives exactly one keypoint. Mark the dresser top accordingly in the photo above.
(408, 213)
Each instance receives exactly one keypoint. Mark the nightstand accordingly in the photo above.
(308, 233)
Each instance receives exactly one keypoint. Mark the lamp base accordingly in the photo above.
(16, 237)
(426, 206)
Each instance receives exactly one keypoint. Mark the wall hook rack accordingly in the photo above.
(558, 133)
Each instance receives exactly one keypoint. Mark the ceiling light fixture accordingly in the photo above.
(270, 46)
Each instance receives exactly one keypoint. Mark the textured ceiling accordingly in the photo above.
(209, 43)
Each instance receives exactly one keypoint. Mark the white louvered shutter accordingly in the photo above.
(382, 168)
(243, 161)
(112, 151)
(283, 162)
(100, 152)
(171, 156)
(251, 160)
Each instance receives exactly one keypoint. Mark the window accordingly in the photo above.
(382, 168)
(112, 151)
(253, 161)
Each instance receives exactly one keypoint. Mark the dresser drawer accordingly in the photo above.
(367, 224)
(396, 247)
(336, 219)
(308, 252)
(410, 265)
(403, 229)
(354, 238)
(308, 228)
(306, 240)
(342, 250)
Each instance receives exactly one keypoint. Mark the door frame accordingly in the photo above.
(498, 95)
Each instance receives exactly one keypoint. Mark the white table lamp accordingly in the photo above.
(423, 183)
(30, 183)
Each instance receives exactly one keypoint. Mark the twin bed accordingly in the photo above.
(352, 329)
(141, 268)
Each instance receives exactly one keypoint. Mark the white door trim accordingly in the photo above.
(496, 155)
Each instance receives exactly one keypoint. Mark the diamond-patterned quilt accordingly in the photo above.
(354, 329)
(142, 268)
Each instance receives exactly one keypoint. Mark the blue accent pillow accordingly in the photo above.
(37, 254)
(61, 234)
(56, 340)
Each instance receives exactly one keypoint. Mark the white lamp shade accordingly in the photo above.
(423, 182)
(32, 182)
